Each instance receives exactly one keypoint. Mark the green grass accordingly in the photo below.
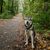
(6, 15)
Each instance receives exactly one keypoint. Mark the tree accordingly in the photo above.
(39, 10)
(8, 8)
(1, 6)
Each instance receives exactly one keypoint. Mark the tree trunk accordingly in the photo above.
(45, 6)
(12, 7)
(1, 6)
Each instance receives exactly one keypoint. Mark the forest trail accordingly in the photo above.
(12, 34)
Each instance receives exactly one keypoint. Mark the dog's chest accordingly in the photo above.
(29, 33)
(29, 27)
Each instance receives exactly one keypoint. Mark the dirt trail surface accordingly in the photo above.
(11, 33)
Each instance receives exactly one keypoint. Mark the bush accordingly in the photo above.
(6, 15)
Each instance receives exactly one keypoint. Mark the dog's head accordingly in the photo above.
(28, 22)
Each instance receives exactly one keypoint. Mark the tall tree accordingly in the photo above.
(12, 7)
(1, 6)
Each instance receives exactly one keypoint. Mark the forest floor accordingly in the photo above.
(12, 35)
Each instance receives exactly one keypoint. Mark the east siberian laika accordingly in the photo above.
(29, 31)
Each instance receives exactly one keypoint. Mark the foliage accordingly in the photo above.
(40, 12)
(8, 7)
(6, 15)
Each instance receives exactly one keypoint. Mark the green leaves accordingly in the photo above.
(8, 7)
(40, 11)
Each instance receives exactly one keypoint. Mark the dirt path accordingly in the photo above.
(10, 32)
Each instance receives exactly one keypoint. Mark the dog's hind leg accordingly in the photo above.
(32, 39)
(26, 38)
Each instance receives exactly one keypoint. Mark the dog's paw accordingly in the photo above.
(33, 47)
(26, 43)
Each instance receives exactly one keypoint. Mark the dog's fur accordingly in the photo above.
(29, 31)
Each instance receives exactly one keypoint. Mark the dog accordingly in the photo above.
(29, 31)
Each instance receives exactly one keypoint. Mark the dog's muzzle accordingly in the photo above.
(28, 25)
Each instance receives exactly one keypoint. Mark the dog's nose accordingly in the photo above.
(27, 23)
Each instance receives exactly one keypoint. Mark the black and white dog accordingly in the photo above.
(29, 31)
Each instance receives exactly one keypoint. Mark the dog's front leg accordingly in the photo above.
(32, 39)
(26, 38)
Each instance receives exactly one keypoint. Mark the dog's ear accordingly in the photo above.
(25, 18)
(30, 18)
